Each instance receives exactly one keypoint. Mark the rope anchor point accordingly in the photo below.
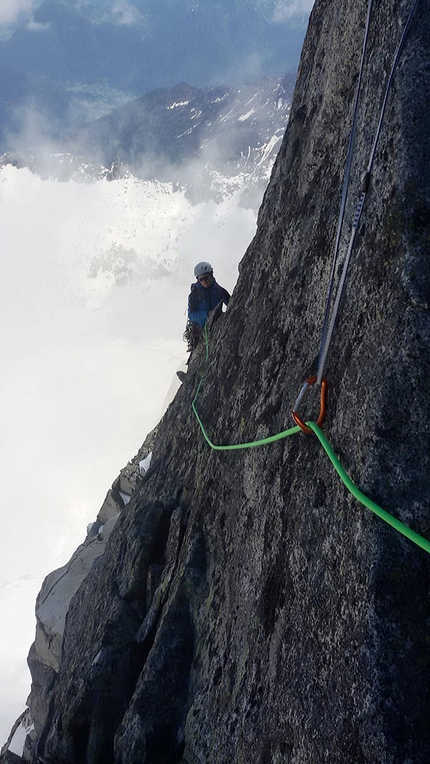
(323, 403)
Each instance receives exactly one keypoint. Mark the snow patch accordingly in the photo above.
(145, 463)
(97, 658)
(177, 104)
(247, 115)
(17, 742)
(269, 148)
(188, 132)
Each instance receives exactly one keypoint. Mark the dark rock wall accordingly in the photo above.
(247, 608)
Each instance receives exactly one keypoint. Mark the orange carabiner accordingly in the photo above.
(323, 405)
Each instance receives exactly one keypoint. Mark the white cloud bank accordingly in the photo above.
(10, 10)
(95, 279)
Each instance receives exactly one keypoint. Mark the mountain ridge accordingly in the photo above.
(189, 136)
(178, 123)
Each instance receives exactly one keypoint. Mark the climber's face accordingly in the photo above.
(205, 280)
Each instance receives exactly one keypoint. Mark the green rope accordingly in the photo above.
(239, 446)
(399, 526)
(361, 497)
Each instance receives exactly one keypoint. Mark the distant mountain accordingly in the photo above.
(223, 123)
(73, 61)
(145, 44)
(197, 137)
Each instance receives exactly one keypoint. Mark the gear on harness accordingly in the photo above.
(191, 336)
(193, 331)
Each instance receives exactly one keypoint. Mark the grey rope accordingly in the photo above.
(346, 176)
(327, 334)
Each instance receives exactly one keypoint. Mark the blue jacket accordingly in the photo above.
(201, 301)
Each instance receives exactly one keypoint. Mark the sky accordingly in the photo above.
(95, 279)
(126, 12)
(290, 9)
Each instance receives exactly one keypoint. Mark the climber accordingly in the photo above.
(206, 298)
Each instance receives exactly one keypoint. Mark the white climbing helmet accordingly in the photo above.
(202, 268)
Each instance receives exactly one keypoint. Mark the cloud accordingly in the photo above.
(125, 13)
(35, 26)
(120, 12)
(93, 295)
(291, 9)
(10, 10)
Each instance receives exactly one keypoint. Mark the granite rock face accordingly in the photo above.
(60, 585)
(247, 608)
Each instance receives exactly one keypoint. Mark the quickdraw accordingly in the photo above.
(323, 403)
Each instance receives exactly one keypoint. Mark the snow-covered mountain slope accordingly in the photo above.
(176, 124)
(210, 141)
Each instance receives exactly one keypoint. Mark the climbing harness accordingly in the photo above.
(313, 427)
